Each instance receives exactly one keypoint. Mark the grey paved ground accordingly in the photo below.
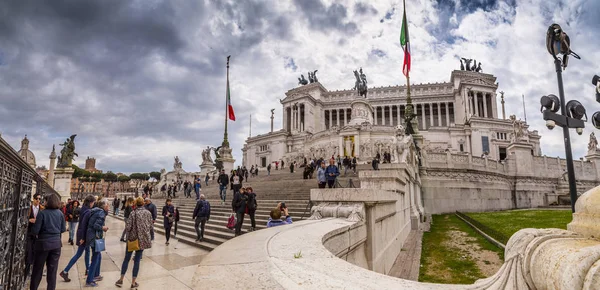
(408, 262)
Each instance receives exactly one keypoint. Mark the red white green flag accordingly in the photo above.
(229, 106)
(405, 43)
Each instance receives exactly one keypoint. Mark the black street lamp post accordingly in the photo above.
(571, 113)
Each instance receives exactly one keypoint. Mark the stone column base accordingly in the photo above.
(62, 182)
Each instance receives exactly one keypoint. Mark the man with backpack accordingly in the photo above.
(251, 206)
(223, 181)
(201, 216)
(331, 172)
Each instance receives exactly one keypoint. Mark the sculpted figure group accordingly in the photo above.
(467, 65)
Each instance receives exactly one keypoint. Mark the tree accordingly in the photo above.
(110, 178)
(123, 179)
(139, 178)
(155, 175)
(95, 178)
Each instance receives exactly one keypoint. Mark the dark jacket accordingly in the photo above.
(49, 224)
(94, 227)
(239, 202)
(198, 212)
(252, 204)
(168, 210)
(75, 212)
(331, 169)
(127, 211)
(223, 179)
(152, 208)
(84, 217)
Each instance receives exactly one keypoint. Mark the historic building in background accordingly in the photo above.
(26, 154)
(459, 116)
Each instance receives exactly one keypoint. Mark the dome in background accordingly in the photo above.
(26, 154)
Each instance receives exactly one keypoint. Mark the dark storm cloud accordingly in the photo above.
(361, 8)
(323, 18)
(123, 70)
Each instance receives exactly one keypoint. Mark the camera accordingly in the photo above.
(550, 124)
(579, 131)
(282, 206)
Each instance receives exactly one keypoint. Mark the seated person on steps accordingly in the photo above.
(276, 214)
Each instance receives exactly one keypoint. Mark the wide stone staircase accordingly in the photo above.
(280, 186)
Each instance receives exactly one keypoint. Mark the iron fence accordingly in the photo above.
(17, 183)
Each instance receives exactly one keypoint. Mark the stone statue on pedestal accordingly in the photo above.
(206, 159)
(177, 165)
(593, 144)
(361, 83)
(519, 130)
(67, 154)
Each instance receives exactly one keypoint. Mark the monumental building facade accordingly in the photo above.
(458, 116)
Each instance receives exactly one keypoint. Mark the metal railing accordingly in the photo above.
(339, 185)
(487, 230)
(17, 183)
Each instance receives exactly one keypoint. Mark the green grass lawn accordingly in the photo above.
(510, 221)
(444, 260)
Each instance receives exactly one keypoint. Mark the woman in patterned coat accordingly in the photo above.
(138, 227)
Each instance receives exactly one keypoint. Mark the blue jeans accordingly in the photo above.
(136, 262)
(94, 270)
(197, 190)
(223, 191)
(76, 257)
(72, 229)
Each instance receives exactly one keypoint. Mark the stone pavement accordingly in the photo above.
(162, 267)
(408, 262)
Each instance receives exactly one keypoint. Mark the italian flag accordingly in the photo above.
(405, 43)
(229, 106)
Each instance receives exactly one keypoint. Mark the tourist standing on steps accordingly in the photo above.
(84, 215)
(49, 225)
(126, 213)
(269, 169)
(321, 178)
(251, 206)
(73, 215)
(223, 181)
(282, 164)
(168, 213)
(96, 230)
(201, 216)
(354, 164)
(176, 222)
(206, 179)
(152, 208)
(197, 187)
(236, 182)
(240, 201)
(332, 172)
(292, 167)
(138, 228)
(34, 210)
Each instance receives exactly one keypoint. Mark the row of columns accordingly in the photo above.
(478, 105)
(444, 111)
(342, 117)
(297, 117)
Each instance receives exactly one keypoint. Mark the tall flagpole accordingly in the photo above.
(524, 112)
(225, 141)
(408, 114)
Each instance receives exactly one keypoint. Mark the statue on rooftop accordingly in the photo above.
(474, 67)
(593, 144)
(467, 63)
(312, 77)
(462, 66)
(361, 83)
(478, 69)
(302, 80)
(67, 154)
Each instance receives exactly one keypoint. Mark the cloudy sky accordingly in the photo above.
(143, 81)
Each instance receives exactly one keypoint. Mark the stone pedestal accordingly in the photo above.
(521, 152)
(206, 167)
(62, 182)
(594, 157)
(226, 158)
(362, 112)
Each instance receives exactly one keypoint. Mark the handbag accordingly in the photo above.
(99, 245)
(231, 222)
(135, 244)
